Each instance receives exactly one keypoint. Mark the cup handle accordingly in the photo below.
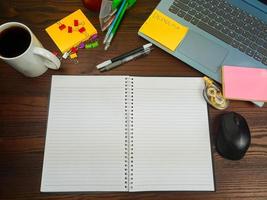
(52, 62)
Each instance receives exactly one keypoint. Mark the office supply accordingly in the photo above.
(213, 95)
(73, 55)
(121, 133)
(116, 3)
(82, 45)
(164, 30)
(114, 22)
(66, 54)
(116, 25)
(131, 3)
(107, 14)
(124, 60)
(105, 25)
(232, 136)
(74, 50)
(125, 55)
(92, 45)
(220, 33)
(72, 36)
(244, 83)
(93, 38)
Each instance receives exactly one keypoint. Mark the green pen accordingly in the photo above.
(113, 32)
(131, 3)
(116, 3)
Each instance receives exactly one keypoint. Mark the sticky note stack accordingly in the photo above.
(164, 30)
(244, 83)
(71, 31)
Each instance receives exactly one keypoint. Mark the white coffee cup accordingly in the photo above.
(35, 60)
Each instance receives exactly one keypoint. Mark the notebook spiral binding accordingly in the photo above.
(126, 130)
(131, 134)
(128, 134)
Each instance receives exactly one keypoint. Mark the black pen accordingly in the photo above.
(123, 56)
(127, 59)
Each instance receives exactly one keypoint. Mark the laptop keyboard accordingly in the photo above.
(227, 23)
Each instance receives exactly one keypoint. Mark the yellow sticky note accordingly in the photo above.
(71, 31)
(164, 30)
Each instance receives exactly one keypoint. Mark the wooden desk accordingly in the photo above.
(24, 109)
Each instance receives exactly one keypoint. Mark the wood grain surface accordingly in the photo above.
(24, 110)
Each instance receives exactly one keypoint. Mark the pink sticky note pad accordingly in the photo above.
(244, 83)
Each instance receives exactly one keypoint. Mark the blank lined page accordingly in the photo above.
(84, 148)
(171, 136)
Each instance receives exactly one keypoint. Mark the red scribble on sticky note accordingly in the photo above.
(81, 30)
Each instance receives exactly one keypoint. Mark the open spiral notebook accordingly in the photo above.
(121, 133)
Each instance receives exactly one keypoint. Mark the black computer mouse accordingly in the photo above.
(232, 136)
